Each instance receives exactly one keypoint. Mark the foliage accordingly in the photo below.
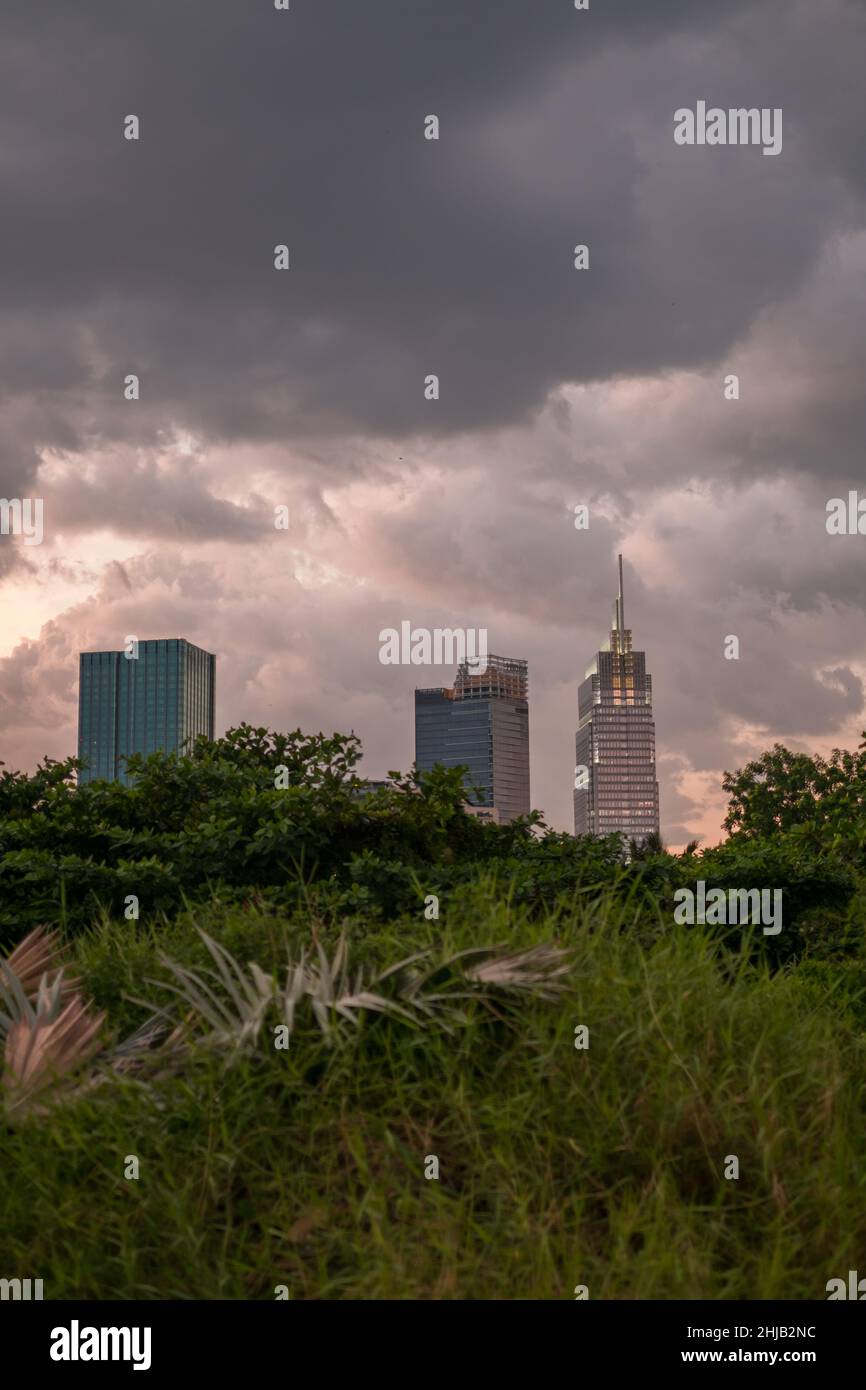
(412, 1034)
(822, 798)
(604, 1167)
(214, 826)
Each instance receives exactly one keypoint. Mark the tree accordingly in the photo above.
(782, 789)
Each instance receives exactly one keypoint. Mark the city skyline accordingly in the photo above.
(158, 695)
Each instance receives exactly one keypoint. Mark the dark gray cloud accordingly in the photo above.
(408, 256)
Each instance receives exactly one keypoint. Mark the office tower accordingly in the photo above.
(160, 699)
(615, 773)
(482, 723)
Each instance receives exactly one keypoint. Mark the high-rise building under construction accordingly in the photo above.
(615, 787)
(482, 724)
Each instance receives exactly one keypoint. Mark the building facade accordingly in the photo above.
(482, 724)
(158, 700)
(615, 787)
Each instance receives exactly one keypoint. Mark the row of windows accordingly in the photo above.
(631, 807)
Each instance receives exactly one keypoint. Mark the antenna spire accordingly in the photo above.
(620, 600)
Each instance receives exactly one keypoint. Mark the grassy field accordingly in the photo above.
(558, 1166)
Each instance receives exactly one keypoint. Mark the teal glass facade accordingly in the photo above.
(160, 700)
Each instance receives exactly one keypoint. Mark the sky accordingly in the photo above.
(305, 388)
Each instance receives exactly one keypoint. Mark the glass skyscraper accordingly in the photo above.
(160, 699)
(483, 724)
(615, 787)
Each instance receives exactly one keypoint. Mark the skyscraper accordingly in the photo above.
(482, 723)
(615, 762)
(159, 699)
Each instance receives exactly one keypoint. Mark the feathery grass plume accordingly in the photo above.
(35, 956)
(234, 1021)
(539, 970)
(331, 992)
(48, 1027)
(41, 953)
(438, 990)
(232, 1003)
(45, 1045)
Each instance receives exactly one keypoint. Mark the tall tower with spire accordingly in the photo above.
(615, 787)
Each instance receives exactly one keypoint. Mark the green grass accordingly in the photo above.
(558, 1167)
